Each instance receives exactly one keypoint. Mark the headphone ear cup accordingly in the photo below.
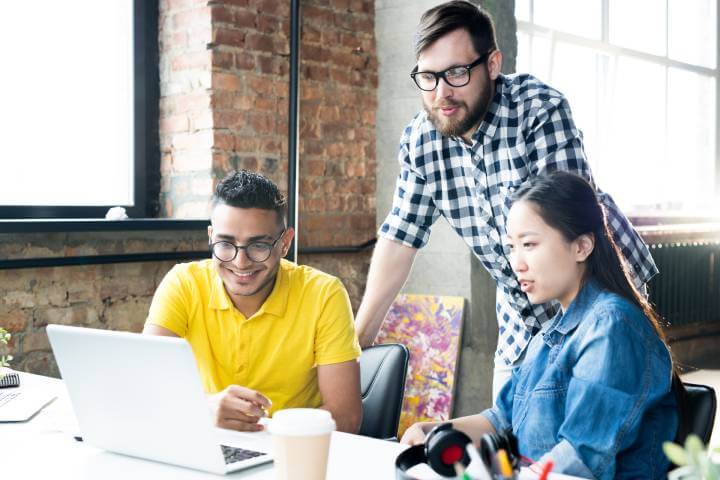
(444, 449)
(488, 449)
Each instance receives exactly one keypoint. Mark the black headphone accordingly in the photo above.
(444, 447)
(491, 443)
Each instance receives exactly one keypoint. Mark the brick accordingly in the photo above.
(244, 61)
(280, 8)
(199, 140)
(188, 18)
(228, 119)
(227, 36)
(173, 124)
(15, 320)
(33, 341)
(191, 161)
(259, 42)
(245, 19)
(201, 121)
(226, 81)
(221, 14)
(268, 24)
(222, 59)
(224, 141)
(261, 124)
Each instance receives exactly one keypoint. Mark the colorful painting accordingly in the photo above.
(431, 328)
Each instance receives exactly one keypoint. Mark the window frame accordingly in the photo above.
(605, 47)
(146, 152)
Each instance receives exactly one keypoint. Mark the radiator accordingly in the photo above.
(687, 289)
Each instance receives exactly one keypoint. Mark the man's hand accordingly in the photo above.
(239, 408)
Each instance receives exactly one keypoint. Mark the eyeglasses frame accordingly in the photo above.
(438, 75)
(245, 247)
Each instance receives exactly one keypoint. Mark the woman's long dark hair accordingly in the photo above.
(568, 203)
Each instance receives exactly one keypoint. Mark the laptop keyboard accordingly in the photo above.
(5, 397)
(234, 454)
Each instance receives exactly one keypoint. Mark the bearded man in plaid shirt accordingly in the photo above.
(480, 136)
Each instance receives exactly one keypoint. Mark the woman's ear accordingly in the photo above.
(584, 246)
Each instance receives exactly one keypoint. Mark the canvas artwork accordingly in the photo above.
(430, 327)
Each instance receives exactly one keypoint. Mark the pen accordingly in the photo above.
(460, 472)
(546, 470)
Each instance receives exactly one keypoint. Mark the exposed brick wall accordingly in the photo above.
(114, 296)
(234, 76)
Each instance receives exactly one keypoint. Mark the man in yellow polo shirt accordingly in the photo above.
(267, 334)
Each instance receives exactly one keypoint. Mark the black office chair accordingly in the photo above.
(382, 385)
(700, 406)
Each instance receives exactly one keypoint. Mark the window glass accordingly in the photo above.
(691, 29)
(638, 25)
(571, 16)
(67, 103)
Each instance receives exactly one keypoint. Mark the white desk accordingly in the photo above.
(44, 448)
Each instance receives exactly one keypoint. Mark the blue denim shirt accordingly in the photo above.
(594, 392)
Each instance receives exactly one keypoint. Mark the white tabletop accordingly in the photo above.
(44, 447)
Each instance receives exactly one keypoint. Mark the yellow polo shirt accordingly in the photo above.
(305, 322)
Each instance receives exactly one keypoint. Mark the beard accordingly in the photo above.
(467, 117)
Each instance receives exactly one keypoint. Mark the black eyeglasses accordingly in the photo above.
(457, 76)
(256, 251)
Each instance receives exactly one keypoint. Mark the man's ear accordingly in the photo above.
(494, 64)
(287, 240)
(584, 246)
(209, 233)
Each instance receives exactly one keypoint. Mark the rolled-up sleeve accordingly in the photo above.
(500, 414)
(413, 211)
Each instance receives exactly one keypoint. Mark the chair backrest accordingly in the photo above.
(382, 385)
(700, 407)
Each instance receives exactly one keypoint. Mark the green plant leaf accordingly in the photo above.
(693, 445)
(675, 453)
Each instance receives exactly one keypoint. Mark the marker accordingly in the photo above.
(546, 470)
(504, 462)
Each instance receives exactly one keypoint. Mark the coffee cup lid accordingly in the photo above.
(301, 422)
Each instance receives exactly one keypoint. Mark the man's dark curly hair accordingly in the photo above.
(245, 189)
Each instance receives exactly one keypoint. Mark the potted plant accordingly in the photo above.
(693, 460)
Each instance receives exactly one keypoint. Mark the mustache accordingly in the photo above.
(447, 103)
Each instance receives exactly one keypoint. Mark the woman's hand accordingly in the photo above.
(415, 435)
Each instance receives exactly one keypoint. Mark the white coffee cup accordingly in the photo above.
(301, 441)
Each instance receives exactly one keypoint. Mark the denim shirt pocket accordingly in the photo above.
(539, 421)
(539, 407)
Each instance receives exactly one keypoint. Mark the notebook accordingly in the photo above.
(19, 403)
(141, 395)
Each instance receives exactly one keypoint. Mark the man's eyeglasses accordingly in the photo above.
(256, 251)
(458, 76)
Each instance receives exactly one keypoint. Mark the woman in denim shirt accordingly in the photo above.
(595, 392)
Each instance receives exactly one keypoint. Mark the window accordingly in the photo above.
(79, 107)
(641, 77)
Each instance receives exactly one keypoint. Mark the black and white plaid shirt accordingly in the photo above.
(527, 131)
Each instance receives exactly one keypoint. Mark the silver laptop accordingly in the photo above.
(19, 404)
(141, 395)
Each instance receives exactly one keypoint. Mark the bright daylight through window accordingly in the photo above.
(67, 103)
(641, 77)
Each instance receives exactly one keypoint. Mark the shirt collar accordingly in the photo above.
(275, 304)
(491, 119)
(565, 322)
